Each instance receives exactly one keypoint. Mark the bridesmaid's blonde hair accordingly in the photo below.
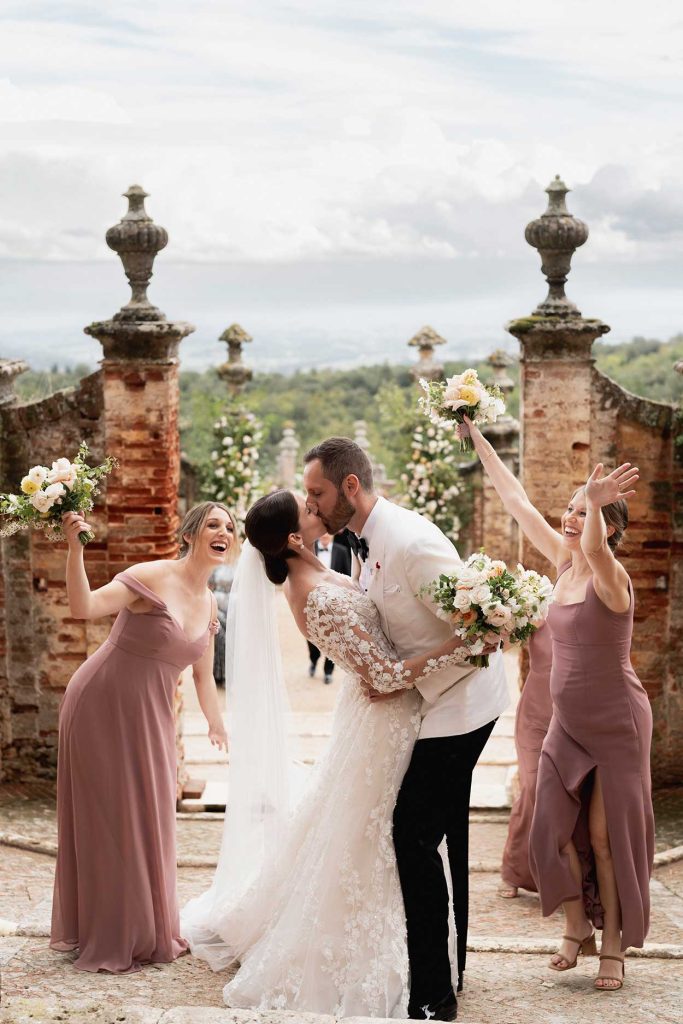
(195, 520)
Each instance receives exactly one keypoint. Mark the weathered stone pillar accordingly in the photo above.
(425, 342)
(287, 463)
(499, 530)
(555, 373)
(141, 397)
(18, 683)
(235, 374)
(573, 416)
(141, 400)
(360, 436)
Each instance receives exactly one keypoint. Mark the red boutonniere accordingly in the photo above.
(377, 566)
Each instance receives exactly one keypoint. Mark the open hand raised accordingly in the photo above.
(603, 490)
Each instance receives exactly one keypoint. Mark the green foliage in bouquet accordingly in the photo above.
(233, 475)
(47, 494)
(486, 602)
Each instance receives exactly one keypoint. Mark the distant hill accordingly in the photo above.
(323, 402)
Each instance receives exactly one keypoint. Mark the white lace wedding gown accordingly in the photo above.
(323, 930)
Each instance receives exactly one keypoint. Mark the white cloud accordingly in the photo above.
(297, 130)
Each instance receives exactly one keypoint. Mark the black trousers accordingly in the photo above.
(434, 802)
(314, 655)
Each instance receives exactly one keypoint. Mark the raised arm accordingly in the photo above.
(335, 627)
(85, 603)
(610, 579)
(516, 501)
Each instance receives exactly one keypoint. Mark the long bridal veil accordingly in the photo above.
(220, 923)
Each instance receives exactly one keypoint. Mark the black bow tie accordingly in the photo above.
(359, 545)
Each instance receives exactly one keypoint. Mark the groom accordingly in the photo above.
(398, 552)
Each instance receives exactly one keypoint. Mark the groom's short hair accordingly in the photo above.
(340, 457)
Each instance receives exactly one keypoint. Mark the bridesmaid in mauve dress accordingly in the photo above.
(115, 881)
(592, 836)
(534, 711)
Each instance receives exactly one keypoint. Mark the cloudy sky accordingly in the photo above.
(356, 134)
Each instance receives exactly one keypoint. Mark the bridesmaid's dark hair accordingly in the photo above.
(268, 524)
(194, 521)
(615, 515)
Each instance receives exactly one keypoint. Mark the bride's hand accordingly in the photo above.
(218, 736)
(603, 490)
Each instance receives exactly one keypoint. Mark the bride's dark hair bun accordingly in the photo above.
(268, 524)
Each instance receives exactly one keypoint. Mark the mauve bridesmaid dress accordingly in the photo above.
(534, 711)
(115, 881)
(601, 720)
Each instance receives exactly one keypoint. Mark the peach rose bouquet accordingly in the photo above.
(445, 402)
(487, 603)
(46, 494)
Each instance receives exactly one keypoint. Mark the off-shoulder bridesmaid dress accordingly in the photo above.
(115, 882)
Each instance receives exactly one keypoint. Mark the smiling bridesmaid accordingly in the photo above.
(115, 881)
(591, 846)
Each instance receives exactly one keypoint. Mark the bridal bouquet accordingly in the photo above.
(487, 603)
(46, 494)
(447, 401)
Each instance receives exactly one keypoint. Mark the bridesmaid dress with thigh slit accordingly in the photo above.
(115, 881)
(534, 711)
(601, 722)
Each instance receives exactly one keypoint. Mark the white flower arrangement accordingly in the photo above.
(487, 603)
(445, 402)
(234, 476)
(46, 494)
(431, 481)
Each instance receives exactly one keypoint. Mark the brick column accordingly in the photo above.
(141, 397)
(141, 400)
(555, 374)
(499, 530)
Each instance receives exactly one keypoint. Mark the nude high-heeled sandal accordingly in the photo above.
(606, 977)
(585, 946)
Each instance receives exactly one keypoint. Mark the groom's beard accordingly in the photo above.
(339, 516)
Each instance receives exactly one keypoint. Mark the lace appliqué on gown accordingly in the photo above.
(334, 938)
(342, 625)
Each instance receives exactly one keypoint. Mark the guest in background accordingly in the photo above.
(335, 554)
(220, 584)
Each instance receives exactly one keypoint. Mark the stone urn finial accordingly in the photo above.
(234, 372)
(425, 342)
(9, 369)
(499, 361)
(360, 435)
(287, 455)
(137, 240)
(557, 235)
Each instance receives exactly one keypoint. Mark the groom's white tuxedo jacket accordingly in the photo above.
(406, 552)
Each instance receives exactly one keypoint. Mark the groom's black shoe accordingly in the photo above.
(445, 1009)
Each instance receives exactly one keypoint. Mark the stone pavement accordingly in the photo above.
(507, 980)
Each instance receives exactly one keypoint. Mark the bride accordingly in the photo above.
(309, 903)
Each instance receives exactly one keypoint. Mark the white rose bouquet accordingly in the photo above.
(448, 401)
(488, 603)
(46, 494)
